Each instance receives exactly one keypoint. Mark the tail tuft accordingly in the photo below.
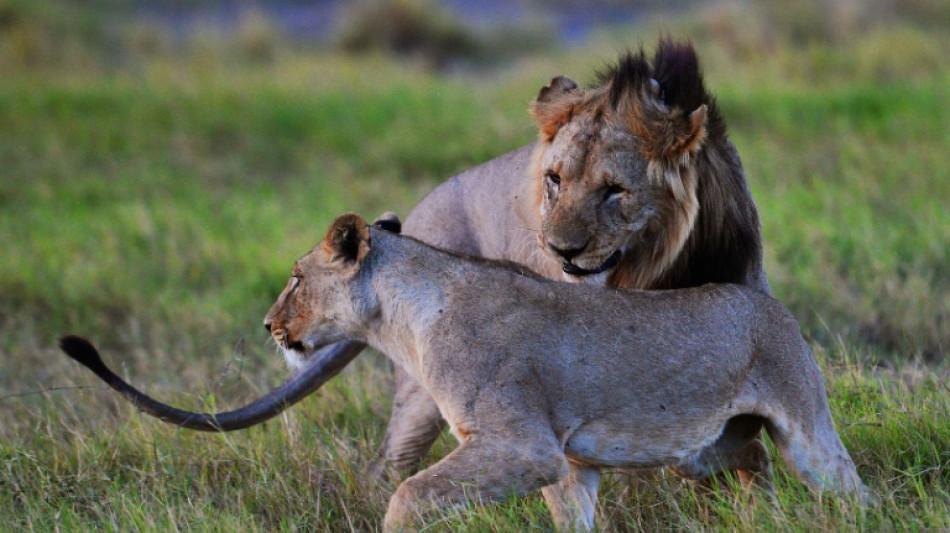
(82, 351)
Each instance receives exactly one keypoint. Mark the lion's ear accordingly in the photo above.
(554, 106)
(695, 132)
(669, 134)
(347, 241)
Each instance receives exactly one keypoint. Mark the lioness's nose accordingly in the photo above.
(566, 253)
(267, 325)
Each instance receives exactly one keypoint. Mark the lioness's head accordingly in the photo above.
(326, 300)
(614, 166)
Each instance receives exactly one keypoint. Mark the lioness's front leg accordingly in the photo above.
(484, 469)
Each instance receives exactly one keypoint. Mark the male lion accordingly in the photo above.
(632, 183)
(544, 383)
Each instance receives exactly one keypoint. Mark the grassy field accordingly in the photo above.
(157, 207)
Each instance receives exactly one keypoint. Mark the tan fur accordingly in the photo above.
(544, 383)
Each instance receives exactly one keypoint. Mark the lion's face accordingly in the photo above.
(614, 168)
(320, 304)
(595, 197)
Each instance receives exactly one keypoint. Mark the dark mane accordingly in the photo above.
(631, 73)
(724, 245)
(675, 67)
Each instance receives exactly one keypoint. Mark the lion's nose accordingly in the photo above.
(566, 253)
(267, 324)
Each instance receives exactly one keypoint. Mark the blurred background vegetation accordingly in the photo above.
(163, 163)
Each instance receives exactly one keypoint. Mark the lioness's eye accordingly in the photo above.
(553, 178)
(294, 281)
(613, 190)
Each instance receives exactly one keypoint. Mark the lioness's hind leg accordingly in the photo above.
(815, 453)
(482, 469)
(573, 500)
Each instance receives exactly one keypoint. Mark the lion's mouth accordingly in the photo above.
(574, 270)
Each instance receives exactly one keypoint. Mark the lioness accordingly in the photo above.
(543, 383)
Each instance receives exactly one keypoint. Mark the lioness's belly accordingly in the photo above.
(602, 444)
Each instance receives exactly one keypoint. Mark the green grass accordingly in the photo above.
(862, 166)
(158, 210)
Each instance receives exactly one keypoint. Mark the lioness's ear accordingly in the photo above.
(554, 106)
(347, 241)
(388, 221)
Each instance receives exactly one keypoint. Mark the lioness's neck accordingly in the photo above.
(416, 285)
(408, 279)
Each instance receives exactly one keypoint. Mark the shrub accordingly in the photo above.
(413, 28)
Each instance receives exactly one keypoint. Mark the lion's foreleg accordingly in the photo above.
(740, 449)
(481, 470)
(415, 423)
(753, 465)
(573, 500)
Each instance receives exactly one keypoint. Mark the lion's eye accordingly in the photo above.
(552, 186)
(613, 190)
(294, 282)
